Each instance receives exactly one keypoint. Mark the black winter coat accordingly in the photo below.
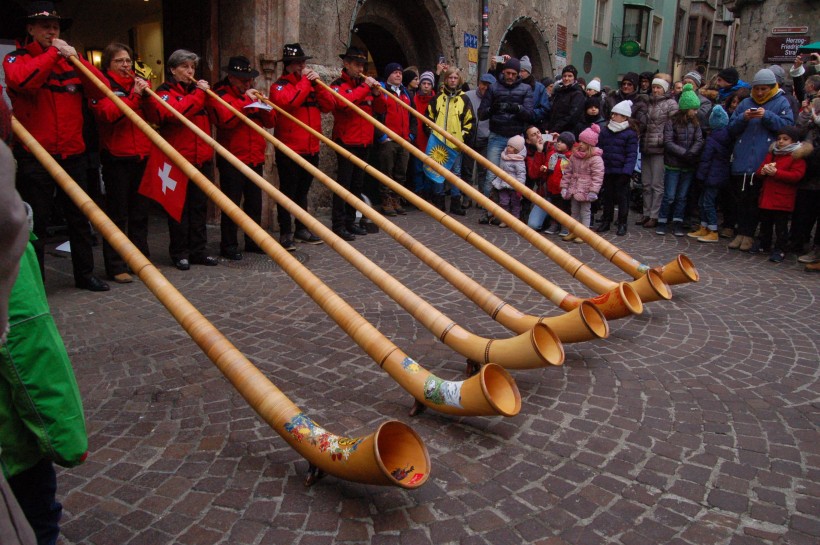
(508, 107)
(568, 109)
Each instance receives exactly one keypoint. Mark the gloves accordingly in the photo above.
(505, 108)
(565, 194)
(592, 196)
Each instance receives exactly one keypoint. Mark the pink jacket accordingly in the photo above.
(583, 175)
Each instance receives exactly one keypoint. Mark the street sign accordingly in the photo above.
(470, 41)
(780, 49)
(630, 48)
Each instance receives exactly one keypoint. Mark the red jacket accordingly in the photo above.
(232, 132)
(47, 95)
(304, 101)
(118, 135)
(420, 103)
(349, 127)
(780, 190)
(190, 101)
(396, 118)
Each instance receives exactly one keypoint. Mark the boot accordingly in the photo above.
(604, 227)
(711, 236)
(396, 202)
(746, 244)
(455, 207)
(736, 242)
(621, 230)
(438, 202)
(702, 231)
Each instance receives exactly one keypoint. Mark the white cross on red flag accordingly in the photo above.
(165, 183)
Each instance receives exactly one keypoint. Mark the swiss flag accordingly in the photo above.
(164, 183)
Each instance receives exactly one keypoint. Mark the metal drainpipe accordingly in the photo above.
(483, 53)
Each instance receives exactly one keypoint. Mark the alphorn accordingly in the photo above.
(491, 392)
(535, 348)
(650, 287)
(583, 323)
(392, 455)
(619, 302)
(677, 271)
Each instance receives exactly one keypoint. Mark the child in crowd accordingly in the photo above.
(547, 168)
(619, 143)
(783, 167)
(592, 112)
(513, 163)
(714, 171)
(683, 142)
(583, 177)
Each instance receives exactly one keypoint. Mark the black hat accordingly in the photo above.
(792, 132)
(392, 67)
(354, 54)
(293, 52)
(729, 75)
(241, 68)
(44, 11)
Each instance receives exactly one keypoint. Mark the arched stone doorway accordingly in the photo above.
(412, 33)
(523, 37)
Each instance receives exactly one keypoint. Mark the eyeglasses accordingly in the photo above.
(122, 61)
(627, 84)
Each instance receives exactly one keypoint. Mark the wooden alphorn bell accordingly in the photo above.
(678, 271)
(491, 392)
(650, 286)
(392, 455)
(582, 323)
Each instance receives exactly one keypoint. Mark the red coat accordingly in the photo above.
(304, 101)
(780, 190)
(118, 135)
(47, 95)
(420, 103)
(396, 118)
(190, 101)
(349, 127)
(233, 133)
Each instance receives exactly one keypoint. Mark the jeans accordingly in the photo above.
(676, 188)
(537, 218)
(708, 208)
(495, 145)
(421, 183)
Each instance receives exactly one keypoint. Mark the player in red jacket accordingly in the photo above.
(245, 143)
(47, 95)
(353, 133)
(297, 92)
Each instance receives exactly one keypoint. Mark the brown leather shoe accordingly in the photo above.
(651, 223)
(642, 220)
(122, 278)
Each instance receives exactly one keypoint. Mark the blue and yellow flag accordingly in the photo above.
(438, 151)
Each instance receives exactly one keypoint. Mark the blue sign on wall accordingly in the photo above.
(470, 40)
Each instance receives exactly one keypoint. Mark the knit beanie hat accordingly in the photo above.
(390, 68)
(779, 73)
(764, 76)
(791, 131)
(662, 83)
(592, 101)
(513, 64)
(718, 118)
(526, 64)
(688, 99)
(407, 76)
(486, 78)
(729, 75)
(516, 142)
(427, 76)
(590, 135)
(694, 76)
(571, 69)
(624, 107)
(632, 77)
(567, 138)
(595, 85)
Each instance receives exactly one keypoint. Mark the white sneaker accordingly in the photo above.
(811, 257)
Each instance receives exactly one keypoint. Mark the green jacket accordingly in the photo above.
(41, 414)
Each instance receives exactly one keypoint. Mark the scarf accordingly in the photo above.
(785, 150)
(769, 95)
(553, 160)
(617, 127)
(511, 156)
(580, 153)
(126, 83)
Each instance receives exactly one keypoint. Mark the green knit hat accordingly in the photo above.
(688, 99)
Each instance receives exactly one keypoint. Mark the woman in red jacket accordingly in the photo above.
(187, 96)
(123, 155)
(783, 167)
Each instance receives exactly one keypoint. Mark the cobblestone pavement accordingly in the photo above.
(694, 423)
